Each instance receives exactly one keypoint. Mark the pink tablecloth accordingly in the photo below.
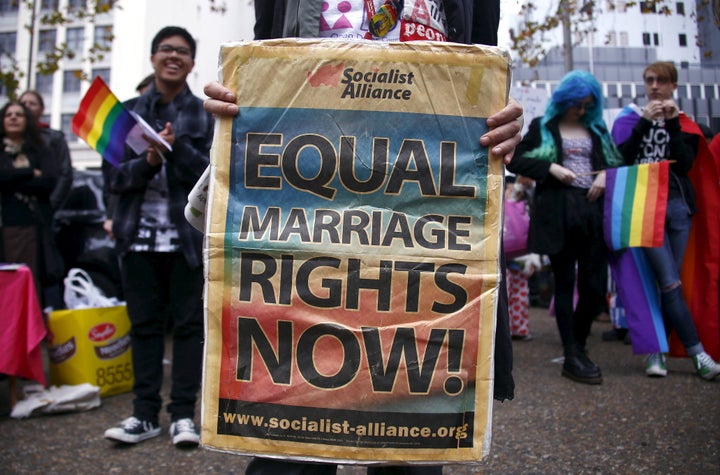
(22, 328)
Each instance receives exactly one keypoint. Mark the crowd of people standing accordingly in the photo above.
(566, 152)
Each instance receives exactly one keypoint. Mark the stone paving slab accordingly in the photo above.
(631, 424)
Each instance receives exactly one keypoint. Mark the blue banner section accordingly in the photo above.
(281, 161)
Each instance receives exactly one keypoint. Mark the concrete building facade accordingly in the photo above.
(128, 29)
(628, 36)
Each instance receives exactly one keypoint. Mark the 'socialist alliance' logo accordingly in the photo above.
(375, 83)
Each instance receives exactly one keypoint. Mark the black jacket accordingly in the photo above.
(193, 128)
(682, 150)
(547, 214)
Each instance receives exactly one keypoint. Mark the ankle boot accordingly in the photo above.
(578, 367)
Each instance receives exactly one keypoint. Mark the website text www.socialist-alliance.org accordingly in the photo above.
(345, 428)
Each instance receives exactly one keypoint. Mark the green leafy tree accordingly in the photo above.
(536, 34)
(75, 13)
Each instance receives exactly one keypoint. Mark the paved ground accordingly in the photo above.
(630, 424)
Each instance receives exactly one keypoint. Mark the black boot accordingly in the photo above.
(579, 367)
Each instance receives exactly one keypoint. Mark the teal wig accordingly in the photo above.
(573, 88)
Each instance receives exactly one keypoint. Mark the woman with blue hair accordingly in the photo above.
(566, 152)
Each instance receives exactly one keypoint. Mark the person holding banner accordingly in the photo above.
(566, 152)
(452, 20)
(161, 253)
(654, 133)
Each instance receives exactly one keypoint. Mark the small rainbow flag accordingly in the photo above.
(635, 205)
(103, 122)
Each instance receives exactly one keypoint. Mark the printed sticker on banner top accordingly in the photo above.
(423, 20)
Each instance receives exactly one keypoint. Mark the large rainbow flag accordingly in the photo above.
(636, 287)
(103, 122)
(700, 273)
(635, 205)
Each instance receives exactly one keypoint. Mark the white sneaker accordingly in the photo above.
(705, 366)
(132, 430)
(655, 365)
(184, 434)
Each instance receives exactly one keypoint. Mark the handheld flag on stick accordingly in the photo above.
(635, 205)
(106, 125)
(103, 122)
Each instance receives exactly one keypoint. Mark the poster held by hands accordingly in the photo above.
(353, 242)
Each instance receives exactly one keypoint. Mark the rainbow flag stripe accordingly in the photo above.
(638, 292)
(103, 122)
(635, 205)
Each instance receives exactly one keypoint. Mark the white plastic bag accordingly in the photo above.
(81, 292)
(58, 399)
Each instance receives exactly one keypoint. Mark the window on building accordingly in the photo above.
(682, 39)
(615, 5)
(46, 41)
(71, 81)
(104, 5)
(611, 38)
(639, 90)
(625, 90)
(624, 38)
(75, 39)
(66, 127)
(715, 123)
(680, 8)
(7, 43)
(710, 91)
(656, 39)
(103, 36)
(648, 7)
(104, 73)
(49, 5)
(695, 91)
(646, 39)
(8, 6)
(44, 84)
(77, 5)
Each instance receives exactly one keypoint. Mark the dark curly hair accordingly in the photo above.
(31, 136)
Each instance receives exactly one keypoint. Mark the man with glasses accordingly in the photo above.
(161, 253)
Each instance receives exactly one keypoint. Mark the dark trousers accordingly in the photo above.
(263, 466)
(587, 251)
(158, 286)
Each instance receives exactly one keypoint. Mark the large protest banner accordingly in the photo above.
(353, 234)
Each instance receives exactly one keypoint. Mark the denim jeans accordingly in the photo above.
(158, 286)
(666, 262)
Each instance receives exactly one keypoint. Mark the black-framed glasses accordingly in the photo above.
(168, 49)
